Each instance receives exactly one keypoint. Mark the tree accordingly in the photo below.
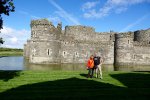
(6, 6)
(1, 41)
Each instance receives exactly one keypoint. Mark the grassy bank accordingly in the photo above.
(10, 52)
(73, 85)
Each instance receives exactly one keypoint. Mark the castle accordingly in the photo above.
(50, 44)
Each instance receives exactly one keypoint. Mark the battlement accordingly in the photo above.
(142, 36)
(43, 29)
(125, 35)
(80, 28)
(41, 22)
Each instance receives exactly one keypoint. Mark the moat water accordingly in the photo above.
(19, 63)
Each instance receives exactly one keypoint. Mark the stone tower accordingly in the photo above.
(123, 48)
(45, 44)
(142, 47)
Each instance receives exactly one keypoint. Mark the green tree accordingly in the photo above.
(1, 41)
(6, 6)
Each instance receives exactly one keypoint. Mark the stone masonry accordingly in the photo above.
(75, 44)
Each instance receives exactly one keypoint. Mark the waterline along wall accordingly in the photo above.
(50, 44)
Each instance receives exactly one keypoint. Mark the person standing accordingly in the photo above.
(90, 65)
(97, 65)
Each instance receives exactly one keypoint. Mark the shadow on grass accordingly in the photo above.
(72, 88)
(134, 80)
(84, 75)
(7, 75)
(77, 89)
(143, 71)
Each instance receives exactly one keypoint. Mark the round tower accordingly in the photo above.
(123, 49)
(142, 36)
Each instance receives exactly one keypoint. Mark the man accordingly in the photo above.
(97, 65)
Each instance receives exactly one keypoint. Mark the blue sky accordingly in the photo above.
(103, 15)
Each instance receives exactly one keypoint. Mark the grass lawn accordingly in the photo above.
(73, 85)
(11, 53)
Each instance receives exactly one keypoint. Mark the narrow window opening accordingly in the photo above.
(110, 37)
(34, 51)
(128, 41)
(64, 53)
(76, 53)
(48, 52)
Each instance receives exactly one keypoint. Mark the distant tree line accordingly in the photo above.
(11, 49)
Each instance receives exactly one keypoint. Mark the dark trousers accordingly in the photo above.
(90, 72)
(93, 70)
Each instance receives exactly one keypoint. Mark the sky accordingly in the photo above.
(103, 15)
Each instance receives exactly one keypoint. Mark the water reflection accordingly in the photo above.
(53, 66)
(61, 66)
(19, 63)
(132, 68)
(11, 63)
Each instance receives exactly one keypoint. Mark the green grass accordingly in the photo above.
(10, 52)
(73, 85)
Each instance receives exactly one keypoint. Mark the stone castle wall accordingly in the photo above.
(79, 42)
(50, 44)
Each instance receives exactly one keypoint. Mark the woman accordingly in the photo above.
(90, 65)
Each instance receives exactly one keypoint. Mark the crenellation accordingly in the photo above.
(142, 36)
(79, 30)
(42, 22)
(59, 27)
(50, 44)
(125, 35)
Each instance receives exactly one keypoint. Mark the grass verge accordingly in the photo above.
(10, 52)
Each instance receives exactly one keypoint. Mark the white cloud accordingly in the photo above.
(134, 23)
(89, 5)
(14, 38)
(91, 13)
(28, 14)
(111, 6)
(62, 13)
(54, 19)
(34, 17)
(6, 30)
(120, 10)
(124, 2)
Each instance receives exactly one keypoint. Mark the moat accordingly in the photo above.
(19, 63)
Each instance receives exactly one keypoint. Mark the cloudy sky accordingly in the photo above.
(103, 15)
